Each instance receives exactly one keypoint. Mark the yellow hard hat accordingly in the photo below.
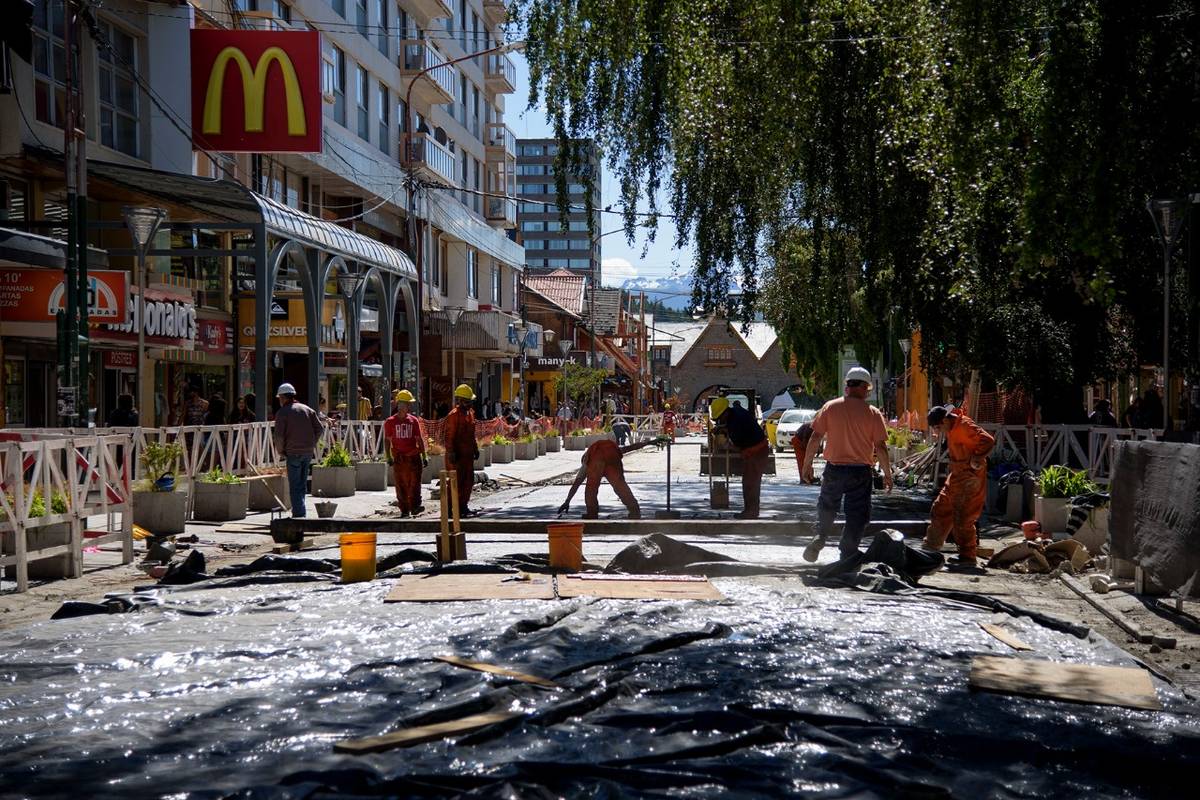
(464, 392)
(667, 406)
(403, 396)
(718, 407)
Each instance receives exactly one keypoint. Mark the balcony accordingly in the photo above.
(417, 55)
(426, 153)
(485, 332)
(500, 142)
(502, 211)
(496, 12)
(500, 75)
(433, 9)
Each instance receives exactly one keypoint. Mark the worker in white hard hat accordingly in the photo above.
(296, 433)
(855, 437)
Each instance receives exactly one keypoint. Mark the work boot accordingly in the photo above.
(960, 561)
(748, 515)
(814, 549)
(418, 510)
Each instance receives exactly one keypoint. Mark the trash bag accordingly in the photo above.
(888, 548)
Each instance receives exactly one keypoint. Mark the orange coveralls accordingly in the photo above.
(961, 500)
(460, 451)
(668, 424)
(603, 460)
(404, 437)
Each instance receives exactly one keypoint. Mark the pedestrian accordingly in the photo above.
(603, 460)
(244, 412)
(622, 430)
(377, 413)
(855, 436)
(1152, 409)
(461, 447)
(406, 454)
(195, 407)
(215, 415)
(1132, 416)
(497, 409)
(487, 409)
(668, 421)
(1103, 417)
(743, 432)
(297, 431)
(124, 415)
(960, 502)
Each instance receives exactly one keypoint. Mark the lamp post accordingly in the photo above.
(349, 284)
(453, 315)
(143, 223)
(1168, 216)
(905, 347)
(521, 328)
(564, 346)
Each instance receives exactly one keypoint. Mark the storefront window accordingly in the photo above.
(14, 391)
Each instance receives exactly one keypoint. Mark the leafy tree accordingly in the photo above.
(581, 381)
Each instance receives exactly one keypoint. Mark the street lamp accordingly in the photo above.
(1168, 216)
(453, 315)
(564, 346)
(905, 347)
(143, 223)
(348, 284)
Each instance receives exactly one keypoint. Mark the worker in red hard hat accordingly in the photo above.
(406, 454)
(603, 459)
(461, 446)
(959, 504)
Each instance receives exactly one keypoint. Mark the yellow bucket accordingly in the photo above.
(566, 546)
(358, 557)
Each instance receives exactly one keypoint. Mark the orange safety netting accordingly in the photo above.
(1005, 407)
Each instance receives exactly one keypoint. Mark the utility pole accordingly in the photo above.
(73, 323)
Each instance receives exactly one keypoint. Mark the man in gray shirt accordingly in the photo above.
(297, 431)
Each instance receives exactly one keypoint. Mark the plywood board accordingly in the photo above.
(449, 587)
(423, 733)
(1081, 683)
(1003, 635)
(604, 576)
(649, 589)
(495, 670)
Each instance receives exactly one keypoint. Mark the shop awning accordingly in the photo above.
(19, 249)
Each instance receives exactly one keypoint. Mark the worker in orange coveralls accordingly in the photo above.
(960, 502)
(461, 447)
(406, 454)
(603, 459)
(799, 442)
(668, 422)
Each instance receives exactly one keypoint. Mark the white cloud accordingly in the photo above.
(615, 271)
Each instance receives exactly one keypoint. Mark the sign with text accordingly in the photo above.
(170, 320)
(214, 335)
(120, 359)
(234, 72)
(35, 295)
(291, 329)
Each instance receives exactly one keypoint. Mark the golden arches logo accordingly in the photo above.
(254, 90)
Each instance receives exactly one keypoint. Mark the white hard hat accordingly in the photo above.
(859, 374)
(285, 388)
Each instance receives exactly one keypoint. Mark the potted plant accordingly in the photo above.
(1056, 486)
(370, 475)
(898, 441)
(578, 439)
(437, 460)
(526, 448)
(503, 450)
(552, 441)
(219, 496)
(157, 506)
(539, 443)
(40, 537)
(334, 475)
(485, 453)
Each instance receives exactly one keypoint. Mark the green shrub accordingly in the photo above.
(338, 456)
(218, 475)
(1057, 481)
(160, 458)
(551, 432)
(501, 440)
(528, 438)
(581, 432)
(899, 437)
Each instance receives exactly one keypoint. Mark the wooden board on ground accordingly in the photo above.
(423, 733)
(448, 587)
(647, 589)
(1082, 683)
(1003, 635)
(495, 670)
(605, 576)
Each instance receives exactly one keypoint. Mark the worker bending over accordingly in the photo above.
(959, 504)
(604, 460)
(406, 453)
(461, 447)
(743, 432)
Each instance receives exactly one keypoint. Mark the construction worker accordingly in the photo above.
(603, 459)
(742, 431)
(668, 421)
(799, 442)
(959, 504)
(406, 453)
(461, 447)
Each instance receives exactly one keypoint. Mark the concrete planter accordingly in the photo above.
(219, 502)
(578, 442)
(503, 453)
(1014, 505)
(1093, 533)
(552, 444)
(526, 451)
(1052, 513)
(371, 476)
(54, 535)
(485, 457)
(436, 465)
(333, 481)
(267, 492)
(540, 444)
(160, 512)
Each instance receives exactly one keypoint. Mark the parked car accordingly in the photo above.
(790, 422)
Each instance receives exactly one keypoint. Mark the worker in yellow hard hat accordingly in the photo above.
(406, 453)
(461, 447)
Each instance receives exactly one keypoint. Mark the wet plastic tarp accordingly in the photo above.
(239, 686)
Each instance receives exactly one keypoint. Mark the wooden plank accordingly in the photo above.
(446, 588)
(638, 589)
(1123, 622)
(1003, 635)
(1082, 683)
(423, 733)
(602, 576)
(495, 670)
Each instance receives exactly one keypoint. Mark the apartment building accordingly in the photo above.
(548, 245)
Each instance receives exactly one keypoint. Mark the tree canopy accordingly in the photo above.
(975, 168)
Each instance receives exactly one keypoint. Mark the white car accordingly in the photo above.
(789, 423)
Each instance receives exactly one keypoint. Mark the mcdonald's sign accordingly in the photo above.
(256, 91)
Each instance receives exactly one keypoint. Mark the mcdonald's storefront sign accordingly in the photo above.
(256, 91)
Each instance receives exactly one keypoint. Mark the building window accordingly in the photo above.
(530, 150)
(462, 16)
(558, 244)
(579, 244)
(516, 289)
(384, 105)
(535, 244)
(478, 187)
(662, 352)
(361, 17)
(340, 7)
(557, 262)
(382, 34)
(462, 100)
(533, 225)
(118, 92)
(282, 11)
(496, 284)
(364, 106)
(718, 354)
(579, 225)
(50, 62)
(579, 263)
(339, 86)
(576, 188)
(472, 274)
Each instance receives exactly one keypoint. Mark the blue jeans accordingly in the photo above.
(848, 485)
(297, 472)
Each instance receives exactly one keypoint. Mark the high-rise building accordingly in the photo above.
(548, 245)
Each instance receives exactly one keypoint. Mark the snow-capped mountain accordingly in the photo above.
(671, 292)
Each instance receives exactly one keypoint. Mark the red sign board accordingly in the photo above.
(214, 335)
(233, 74)
(35, 295)
(120, 359)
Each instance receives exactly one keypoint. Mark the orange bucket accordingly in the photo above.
(566, 546)
(358, 557)
(1031, 529)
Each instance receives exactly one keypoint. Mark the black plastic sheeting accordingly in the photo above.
(238, 686)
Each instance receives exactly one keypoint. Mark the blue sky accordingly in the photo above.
(620, 260)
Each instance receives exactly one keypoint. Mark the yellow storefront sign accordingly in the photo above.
(288, 325)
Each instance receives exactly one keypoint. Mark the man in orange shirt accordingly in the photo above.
(959, 504)
(406, 454)
(603, 459)
(855, 436)
(461, 447)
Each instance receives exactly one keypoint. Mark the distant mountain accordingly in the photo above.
(673, 293)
